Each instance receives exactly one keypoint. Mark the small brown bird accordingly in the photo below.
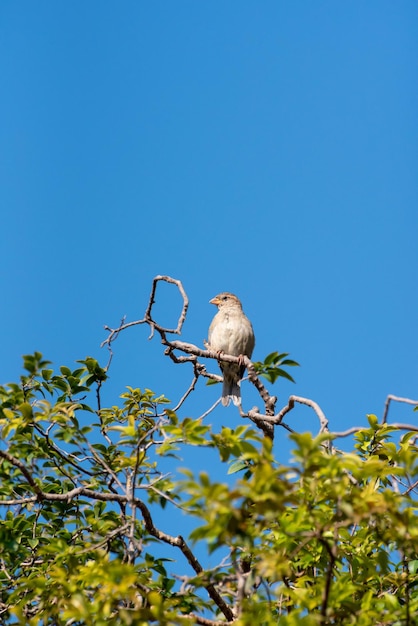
(231, 333)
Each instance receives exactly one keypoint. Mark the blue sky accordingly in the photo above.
(264, 148)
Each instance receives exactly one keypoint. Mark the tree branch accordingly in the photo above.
(178, 541)
(17, 463)
(395, 399)
(191, 353)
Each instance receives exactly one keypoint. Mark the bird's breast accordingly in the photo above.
(231, 334)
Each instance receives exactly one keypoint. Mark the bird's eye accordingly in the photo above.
(224, 297)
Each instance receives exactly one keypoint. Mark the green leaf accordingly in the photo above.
(47, 373)
(237, 466)
(373, 420)
(26, 410)
(272, 367)
(210, 381)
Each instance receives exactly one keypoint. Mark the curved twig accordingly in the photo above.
(391, 398)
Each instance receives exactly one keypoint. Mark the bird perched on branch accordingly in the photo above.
(231, 333)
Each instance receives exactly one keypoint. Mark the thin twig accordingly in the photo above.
(356, 429)
(21, 466)
(391, 398)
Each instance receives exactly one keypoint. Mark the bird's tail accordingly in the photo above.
(231, 391)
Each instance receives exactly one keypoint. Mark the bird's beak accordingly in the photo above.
(214, 300)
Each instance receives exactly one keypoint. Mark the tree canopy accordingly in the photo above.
(92, 497)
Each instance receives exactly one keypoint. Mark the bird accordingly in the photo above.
(231, 333)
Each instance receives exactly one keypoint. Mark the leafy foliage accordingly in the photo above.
(331, 538)
(273, 366)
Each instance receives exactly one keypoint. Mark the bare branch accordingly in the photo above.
(114, 533)
(181, 543)
(17, 463)
(277, 419)
(291, 403)
(396, 399)
(68, 458)
(411, 488)
(348, 432)
(114, 332)
(17, 501)
(148, 317)
(187, 392)
(105, 466)
(209, 410)
(204, 621)
(356, 429)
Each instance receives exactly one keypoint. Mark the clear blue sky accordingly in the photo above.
(265, 148)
